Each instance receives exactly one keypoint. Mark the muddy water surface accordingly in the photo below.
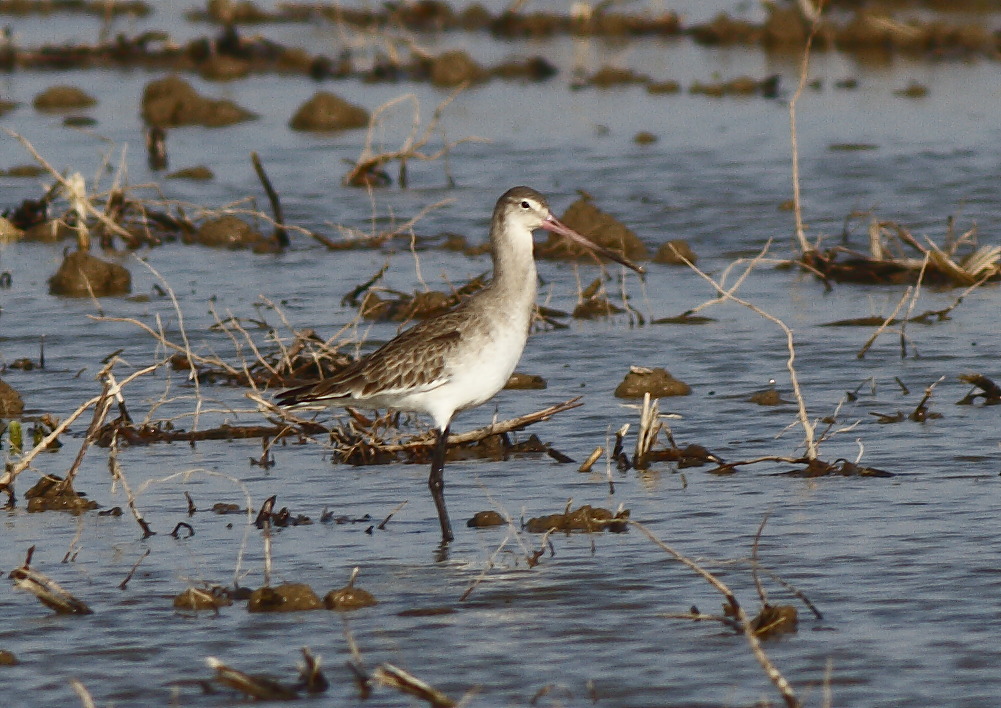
(905, 569)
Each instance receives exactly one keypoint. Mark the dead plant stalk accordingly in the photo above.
(414, 142)
(774, 675)
(804, 69)
(723, 295)
(12, 472)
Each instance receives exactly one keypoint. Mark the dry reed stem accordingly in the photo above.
(238, 483)
(771, 671)
(9, 474)
(117, 475)
(802, 416)
(762, 593)
(193, 374)
(650, 426)
(135, 566)
(804, 68)
(412, 144)
(499, 428)
(81, 203)
(82, 693)
(394, 677)
(489, 565)
(910, 308)
(886, 323)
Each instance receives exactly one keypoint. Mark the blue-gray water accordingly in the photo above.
(905, 569)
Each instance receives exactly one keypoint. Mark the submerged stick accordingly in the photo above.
(280, 233)
(48, 591)
(804, 68)
(394, 677)
(774, 675)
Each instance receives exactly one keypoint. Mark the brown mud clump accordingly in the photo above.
(84, 275)
(738, 86)
(775, 620)
(675, 252)
(51, 493)
(328, 112)
(454, 68)
(485, 519)
(604, 229)
(419, 305)
(525, 382)
(594, 303)
(228, 231)
(62, 98)
(767, 397)
(658, 382)
(172, 101)
(198, 173)
(609, 76)
(586, 518)
(202, 599)
(11, 403)
(288, 597)
(222, 67)
(348, 598)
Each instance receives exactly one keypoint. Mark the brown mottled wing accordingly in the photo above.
(413, 361)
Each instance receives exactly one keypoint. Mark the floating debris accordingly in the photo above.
(198, 173)
(256, 686)
(773, 621)
(287, 597)
(48, 591)
(675, 252)
(585, 518)
(349, 597)
(311, 679)
(53, 493)
(840, 468)
(203, 598)
(227, 508)
(485, 519)
(594, 303)
(912, 90)
(989, 391)
(395, 677)
(8, 658)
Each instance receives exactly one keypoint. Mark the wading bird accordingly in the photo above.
(463, 357)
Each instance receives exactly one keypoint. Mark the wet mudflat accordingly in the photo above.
(902, 568)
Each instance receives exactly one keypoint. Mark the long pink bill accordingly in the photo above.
(557, 227)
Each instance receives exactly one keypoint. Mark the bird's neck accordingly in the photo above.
(514, 278)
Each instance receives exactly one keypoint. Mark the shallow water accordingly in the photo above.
(904, 570)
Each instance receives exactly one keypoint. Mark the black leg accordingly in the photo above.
(436, 483)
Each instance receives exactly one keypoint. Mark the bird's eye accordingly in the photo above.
(526, 205)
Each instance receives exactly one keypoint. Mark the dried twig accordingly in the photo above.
(280, 233)
(369, 161)
(804, 68)
(48, 591)
(774, 675)
(803, 417)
